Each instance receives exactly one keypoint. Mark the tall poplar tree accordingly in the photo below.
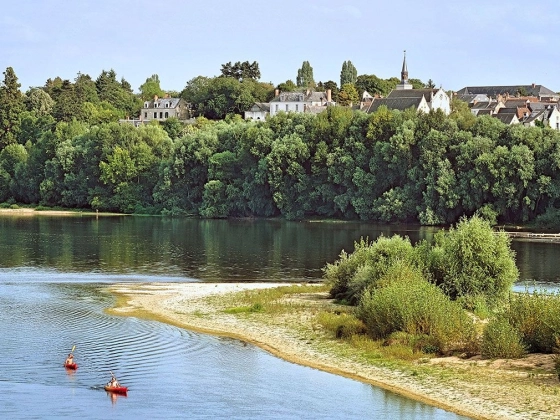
(305, 76)
(348, 74)
(11, 107)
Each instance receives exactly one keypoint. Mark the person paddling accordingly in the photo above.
(113, 383)
(69, 359)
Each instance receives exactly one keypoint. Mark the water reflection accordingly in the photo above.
(179, 249)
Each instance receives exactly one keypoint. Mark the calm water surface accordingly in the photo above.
(52, 274)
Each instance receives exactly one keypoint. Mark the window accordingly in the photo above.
(146, 104)
(155, 114)
(166, 114)
(155, 104)
(161, 114)
(277, 107)
(297, 107)
(167, 104)
(145, 115)
(286, 107)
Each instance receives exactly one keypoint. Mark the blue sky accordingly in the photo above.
(455, 43)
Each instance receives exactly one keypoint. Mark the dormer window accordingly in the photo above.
(155, 105)
(167, 104)
(146, 104)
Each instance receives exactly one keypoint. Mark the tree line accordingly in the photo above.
(389, 166)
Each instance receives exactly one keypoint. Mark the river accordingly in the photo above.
(52, 276)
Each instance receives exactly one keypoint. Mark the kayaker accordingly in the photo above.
(69, 359)
(113, 383)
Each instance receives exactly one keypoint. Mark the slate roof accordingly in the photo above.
(531, 90)
(300, 97)
(260, 106)
(161, 103)
(507, 118)
(395, 103)
(413, 93)
(472, 97)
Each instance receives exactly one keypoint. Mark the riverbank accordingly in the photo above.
(481, 389)
(27, 211)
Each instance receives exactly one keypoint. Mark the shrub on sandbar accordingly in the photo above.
(500, 339)
(352, 273)
(405, 301)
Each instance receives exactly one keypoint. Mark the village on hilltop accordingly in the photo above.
(530, 105)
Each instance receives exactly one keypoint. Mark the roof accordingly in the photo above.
(162, 102)
(413, 93)
(260, 106)
(311, 96)
(507, 118)
(530, 90)
(395, 103)
(472, 97)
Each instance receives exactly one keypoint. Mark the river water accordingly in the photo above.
(52, 276)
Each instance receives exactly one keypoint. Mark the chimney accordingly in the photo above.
(329, 96)
(276, 92)
(155, 98)
(533, 85)
(307, 92)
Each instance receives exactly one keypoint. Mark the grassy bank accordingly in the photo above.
(301, 324)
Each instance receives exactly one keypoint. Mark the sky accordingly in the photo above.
(455, 43)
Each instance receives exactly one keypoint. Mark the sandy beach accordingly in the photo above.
(481, 389)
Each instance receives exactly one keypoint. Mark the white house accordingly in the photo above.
(259, 111)
(308, 101)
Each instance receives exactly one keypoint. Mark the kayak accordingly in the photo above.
(72, 366)
(116, 389)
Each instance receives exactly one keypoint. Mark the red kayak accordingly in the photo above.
(116, 389)
(72, 366)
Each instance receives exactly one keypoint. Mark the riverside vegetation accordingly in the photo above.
(62, 145)
(436, 315)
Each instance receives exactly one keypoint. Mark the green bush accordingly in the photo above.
(471, 259)
(342, 325)
(550, 219)
(500, 339)
(416, 307)
(352, 273)
(536, 316)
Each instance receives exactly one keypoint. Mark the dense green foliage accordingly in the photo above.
(471, 259)
(348, 74)
(352, 273)
(406, 302)
(305, 76)
(536, 317)
(467, 262)
(389, 166)
(501, 340)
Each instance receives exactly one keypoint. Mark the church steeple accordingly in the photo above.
(404, 76)
(404, 71)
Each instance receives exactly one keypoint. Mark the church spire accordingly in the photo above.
(404, 84)
(404, 71)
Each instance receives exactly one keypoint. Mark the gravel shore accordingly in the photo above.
(479, 389)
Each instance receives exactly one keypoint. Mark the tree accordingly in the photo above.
(373, 85)
(348, 95)
(38, 101)
(430, 84)
(11, 107)
(151, 88)
(305, 76)
(241, 71)
(287, 86)
(348, 74)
